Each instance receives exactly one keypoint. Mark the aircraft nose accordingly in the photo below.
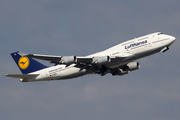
(173, 39)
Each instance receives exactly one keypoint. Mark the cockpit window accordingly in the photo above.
(160, 33)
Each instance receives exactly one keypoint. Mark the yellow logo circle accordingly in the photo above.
(23, 62)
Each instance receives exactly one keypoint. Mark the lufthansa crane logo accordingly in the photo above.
(23, 62)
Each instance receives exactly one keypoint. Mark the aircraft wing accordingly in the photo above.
(42, 57)
(89, 60)
(67, 60)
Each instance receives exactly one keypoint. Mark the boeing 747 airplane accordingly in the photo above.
(117, 60)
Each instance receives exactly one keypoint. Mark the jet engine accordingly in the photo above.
(127, 68)
(68, 60)
(101, 60)
(133, 66)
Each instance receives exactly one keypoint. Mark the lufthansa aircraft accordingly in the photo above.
(117, 60)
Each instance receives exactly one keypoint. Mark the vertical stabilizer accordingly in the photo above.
(27, 64)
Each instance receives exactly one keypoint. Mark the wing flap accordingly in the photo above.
(85, 60)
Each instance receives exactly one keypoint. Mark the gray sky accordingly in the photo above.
(82, 27)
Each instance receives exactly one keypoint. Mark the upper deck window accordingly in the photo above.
(160, 33)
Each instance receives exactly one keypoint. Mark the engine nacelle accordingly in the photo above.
(101, 60)
(68, 60)
(133, 66)
(129, 67)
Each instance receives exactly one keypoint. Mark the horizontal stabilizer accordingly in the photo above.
(22, 76)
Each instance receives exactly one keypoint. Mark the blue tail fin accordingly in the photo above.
(26, 64)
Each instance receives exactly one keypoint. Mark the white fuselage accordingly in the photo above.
(134, 49)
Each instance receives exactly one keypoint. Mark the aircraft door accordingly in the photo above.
(149, 44)
(128, 50)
